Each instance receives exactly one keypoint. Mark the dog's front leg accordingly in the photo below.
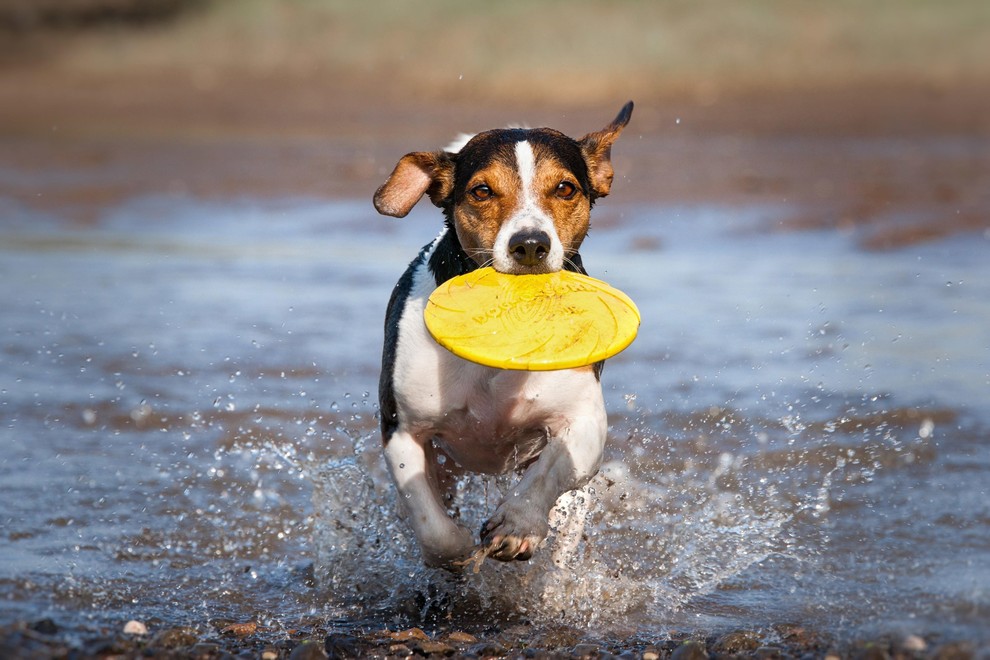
(570, 459)
(441, 540)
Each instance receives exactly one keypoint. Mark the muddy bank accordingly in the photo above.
(902, 164)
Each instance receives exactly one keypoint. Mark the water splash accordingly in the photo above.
(649, 547)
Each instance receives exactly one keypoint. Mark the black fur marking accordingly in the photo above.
(387, 408)
(450, 260)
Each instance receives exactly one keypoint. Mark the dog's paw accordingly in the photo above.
(449, 551)
(514, 531)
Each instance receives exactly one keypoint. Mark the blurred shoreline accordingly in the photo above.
(857, 116)
(908, 163)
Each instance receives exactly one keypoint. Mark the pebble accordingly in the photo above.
(341, 646)
(429, 647)
(400, 650)
(913, 644)
(207, 649)
(690, 651)
(539, 654)
(483, 649)
(308, 650)
(651, 655)
(45, 627)
(240, 629)
(457, 637)
(737, 642)
(794, 634)
(133, 627)
(585, 651)
(174, 638)
(407, 635)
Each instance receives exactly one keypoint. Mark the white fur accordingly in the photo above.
(458, 142)
(528, 215)
(486, 420)
(463, 138)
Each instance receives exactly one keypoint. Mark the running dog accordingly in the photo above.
(518, 200)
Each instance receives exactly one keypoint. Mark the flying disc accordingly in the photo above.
(538, 322)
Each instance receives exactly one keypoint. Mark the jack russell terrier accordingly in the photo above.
(518, 200)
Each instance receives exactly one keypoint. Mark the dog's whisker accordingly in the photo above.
(483, 252)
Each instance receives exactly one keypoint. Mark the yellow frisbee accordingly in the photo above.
(531, 322)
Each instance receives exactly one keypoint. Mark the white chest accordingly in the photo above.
(487, 420)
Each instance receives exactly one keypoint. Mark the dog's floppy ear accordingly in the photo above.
(597, 150)
(420, 172)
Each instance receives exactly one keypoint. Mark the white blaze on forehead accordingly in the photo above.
(526, 163)
(527, 216)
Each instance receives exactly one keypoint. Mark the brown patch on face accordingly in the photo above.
(558, 190)
(480, 214)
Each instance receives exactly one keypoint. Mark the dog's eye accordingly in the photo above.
(482, 192)
(565, 190)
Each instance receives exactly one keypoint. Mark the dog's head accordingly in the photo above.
(519, 199)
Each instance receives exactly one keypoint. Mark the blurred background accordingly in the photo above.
(560, 51)
(377, 79)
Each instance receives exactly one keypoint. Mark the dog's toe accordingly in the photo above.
(513, 532)
(509, 548)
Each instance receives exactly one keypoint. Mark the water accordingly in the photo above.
(188, 428)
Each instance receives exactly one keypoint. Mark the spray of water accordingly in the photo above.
(648, 548)
(685, 504)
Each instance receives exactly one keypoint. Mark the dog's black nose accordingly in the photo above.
(529, 248)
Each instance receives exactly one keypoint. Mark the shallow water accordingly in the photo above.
(188, 428)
